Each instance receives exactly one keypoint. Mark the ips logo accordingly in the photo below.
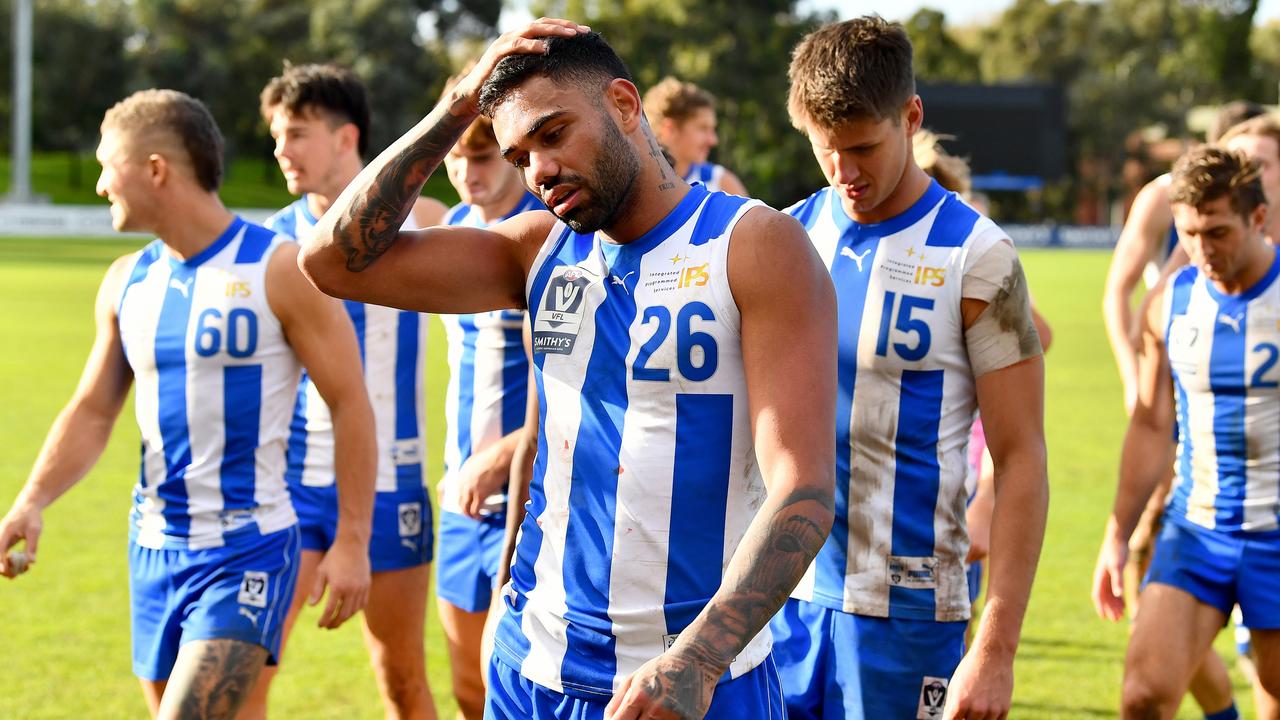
(934, 276)
(238, 289)
(694, 276)
(253, 589)
(933, 696)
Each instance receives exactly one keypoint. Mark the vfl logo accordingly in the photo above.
(848, 252)
(253, 589)
(555, 328)
(182, 286)
(253, 616)
(933, 696)
(410, 515)
(1233, 322)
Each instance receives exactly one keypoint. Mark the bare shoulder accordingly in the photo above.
(113, 281)
(286, 285)
(1151, 208)
(768, 249)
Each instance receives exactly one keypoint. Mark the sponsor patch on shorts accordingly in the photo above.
(933, 697)
(253, 589)
(410, 517)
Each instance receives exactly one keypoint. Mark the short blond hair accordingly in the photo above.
(951, 172)
(154, 118)
(676, 100)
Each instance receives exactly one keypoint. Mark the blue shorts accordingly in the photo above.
(1221, 569)
(240, 591)
(401, 535)
(468, 564)
(753, 696)
(839, 665)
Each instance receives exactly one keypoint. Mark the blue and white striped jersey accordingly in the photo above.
(488, 376)
(215, 386)
(1223, 350)
(645, 479)
(392, 348)
(905, 405)
(707, 173)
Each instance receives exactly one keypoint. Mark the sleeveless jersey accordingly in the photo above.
(1223, 351)
(215, 384)
(392, 348)
(707, 173)
(645, 479)
(488, 376)
(905, 406)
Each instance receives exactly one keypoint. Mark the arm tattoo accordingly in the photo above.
(773, 556)
(213, 678)
(382, 195)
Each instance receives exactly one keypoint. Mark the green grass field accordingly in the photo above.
(65, 625)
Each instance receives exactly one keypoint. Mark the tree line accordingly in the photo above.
(1124, 64)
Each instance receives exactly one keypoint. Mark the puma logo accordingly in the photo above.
(181, 286)
(849, 253)
(253, 616)
(1232, 322)
(622, 281)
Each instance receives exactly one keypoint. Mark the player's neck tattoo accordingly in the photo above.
(382, 195)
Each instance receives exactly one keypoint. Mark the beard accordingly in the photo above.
(608, 187)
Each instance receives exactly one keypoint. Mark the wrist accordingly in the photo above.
(353, 532)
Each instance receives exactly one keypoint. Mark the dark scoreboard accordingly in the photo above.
(1014, 136)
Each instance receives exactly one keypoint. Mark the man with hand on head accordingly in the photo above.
(683, 480)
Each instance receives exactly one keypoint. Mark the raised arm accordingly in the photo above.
(321, 334)
(1005, 354)
(1144, 459)
(359, 251)
(81, 430)
(792, 398)
(1146, 227)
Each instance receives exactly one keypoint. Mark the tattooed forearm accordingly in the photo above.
(369, 213)
(777, 549)
(212, 679)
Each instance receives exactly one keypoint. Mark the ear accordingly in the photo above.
(623, 97)
(1258, 218)
(913, 113)
(349, 138)
(158, 169)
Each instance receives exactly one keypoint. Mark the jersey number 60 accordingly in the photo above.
(241, 328)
